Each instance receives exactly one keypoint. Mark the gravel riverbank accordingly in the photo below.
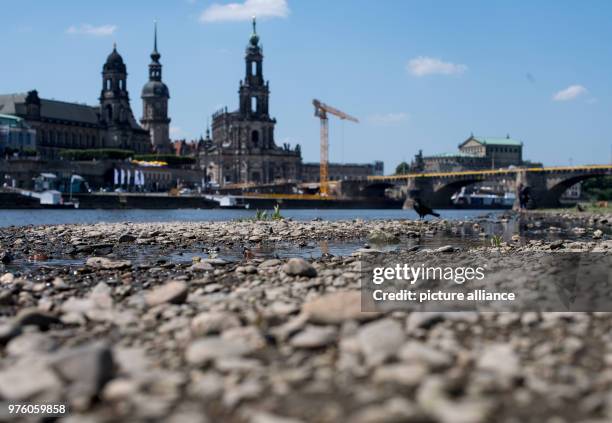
(120, 335)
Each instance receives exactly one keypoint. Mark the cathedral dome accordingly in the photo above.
(155, 89)
(114, 62)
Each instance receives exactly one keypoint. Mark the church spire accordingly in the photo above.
(155, 54)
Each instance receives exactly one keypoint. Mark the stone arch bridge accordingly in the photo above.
(547, 184)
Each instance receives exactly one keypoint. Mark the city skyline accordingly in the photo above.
(559, 98)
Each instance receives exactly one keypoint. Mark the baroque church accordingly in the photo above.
(243, 148)
(63, 125)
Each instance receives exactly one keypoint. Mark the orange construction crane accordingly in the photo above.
(321, 111)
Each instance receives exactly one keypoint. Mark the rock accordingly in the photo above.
(417, 352)
(409, 375)
(314, 337)
(6, 257)
(423, 319)
(205, 350)
(445, 249)
(597, 234)
(299, 267)
(336, 308)
(7, 278)
(262, 417)
(382, 237)
(394, 410)
(270, 263)
(247, 270)
(174, 292)
(201, 266)
(502, 361)
(209, 323)
(107, 264)
(380, 340)
(36, 317)
(127, 238)
(86, 368)
(27, 379)
(30, 343)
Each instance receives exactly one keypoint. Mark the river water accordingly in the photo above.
(52, 217)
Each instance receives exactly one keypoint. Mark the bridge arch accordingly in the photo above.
(555, 192)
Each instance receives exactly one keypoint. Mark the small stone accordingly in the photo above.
(209, 323)
(107, 264)
(445, 249)
(6, 257)
(380, 340)
(201, 266)
(597, 234)
(262, 417)
(382, 237)
(314, 337)
(247, 270)
(502, 361)
(299, 267)
(423, 319)
(270, 263)
(336, 308)
(36, 317)
(417, 352)
(174, 292)
(409, 375)
(87, 368)
(127, 238)
(7, 278)
(27, 379)
(202, 351)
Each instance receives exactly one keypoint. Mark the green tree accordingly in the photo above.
(402, 168)
(598, 189)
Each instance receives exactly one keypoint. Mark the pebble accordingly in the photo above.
(200, 352)
(108, 264)
(380, 340)
(314, 337)
(174, 292)
(335, 308)
(299, 267)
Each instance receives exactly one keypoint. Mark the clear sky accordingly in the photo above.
(418, 74)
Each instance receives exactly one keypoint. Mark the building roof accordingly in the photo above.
(14, 104)
(505, 141)
(10, 120)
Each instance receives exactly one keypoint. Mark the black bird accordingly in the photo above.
(423, 210)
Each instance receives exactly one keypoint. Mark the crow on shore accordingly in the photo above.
(422, 209)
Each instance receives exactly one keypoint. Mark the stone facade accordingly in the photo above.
(474, 153)
(310, 172)
(62, 125)
(243, 149)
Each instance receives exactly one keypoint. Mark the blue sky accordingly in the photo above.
(418, 74)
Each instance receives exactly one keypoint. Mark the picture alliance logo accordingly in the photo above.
(412, 274)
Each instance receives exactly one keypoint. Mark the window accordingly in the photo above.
(253, 104)
(255, 138)
(253, 68)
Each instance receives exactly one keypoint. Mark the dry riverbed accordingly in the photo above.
(120, 335)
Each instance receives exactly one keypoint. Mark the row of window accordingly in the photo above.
(64, 138)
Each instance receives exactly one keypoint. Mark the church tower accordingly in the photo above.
(122, 130)
(254, 92)
(155, 97)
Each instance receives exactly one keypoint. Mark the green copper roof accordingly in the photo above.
(498, 141)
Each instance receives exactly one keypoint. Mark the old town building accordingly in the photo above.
(63, 125)
(243, 148)
(155, 95)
